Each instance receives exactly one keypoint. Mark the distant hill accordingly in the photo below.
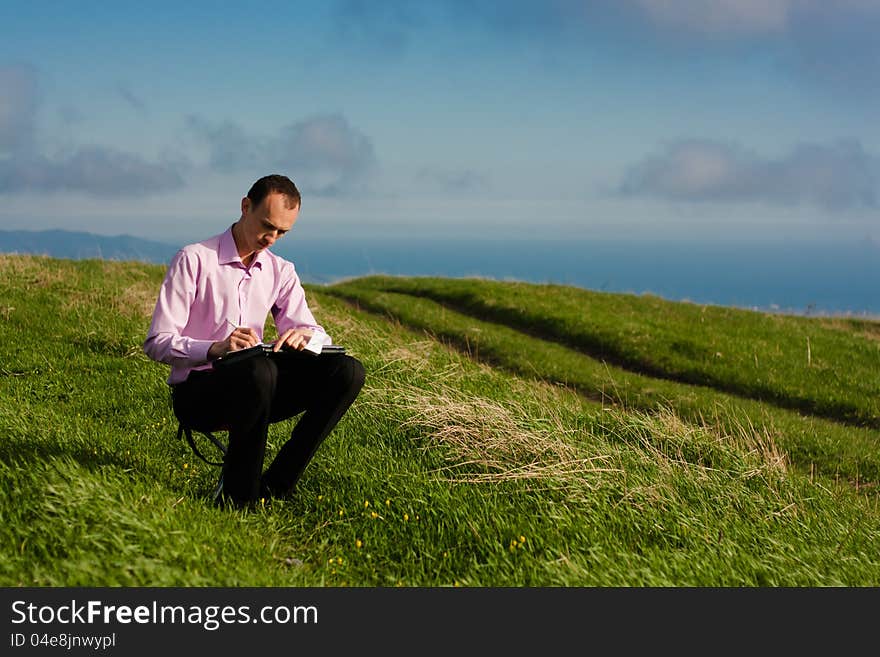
(79, 245)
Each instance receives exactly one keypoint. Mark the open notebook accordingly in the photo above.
(266, 349)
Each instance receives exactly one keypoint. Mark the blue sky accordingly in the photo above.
(629, 119)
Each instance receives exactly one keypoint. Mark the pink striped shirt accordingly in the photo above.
(207, 289)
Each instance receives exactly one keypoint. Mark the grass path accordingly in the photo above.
(815, 445)
(825, 368)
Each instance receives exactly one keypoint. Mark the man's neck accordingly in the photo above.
(246, 257)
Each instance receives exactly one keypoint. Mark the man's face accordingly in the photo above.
(263, 224)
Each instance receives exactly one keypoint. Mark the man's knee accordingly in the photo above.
(354, 374)
(357, 374)
(346, 376)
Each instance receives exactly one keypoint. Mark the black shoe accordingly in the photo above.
(268, 492)
(265, 491)
(222, 500)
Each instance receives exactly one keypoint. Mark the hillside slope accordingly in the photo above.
(813, 381)
(448, 470)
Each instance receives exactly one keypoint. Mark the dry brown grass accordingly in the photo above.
(665, 435)
(491, 441)
(137, 300)
(870, 328)
(31, 270)
(757, 442)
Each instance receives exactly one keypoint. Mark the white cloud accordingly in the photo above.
(749, 16)
(96, 170)
(229, 147)
(715, 16)
(840, 175)
(324, 153)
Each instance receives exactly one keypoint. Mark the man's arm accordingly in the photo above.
(164, 341)
(293, 319)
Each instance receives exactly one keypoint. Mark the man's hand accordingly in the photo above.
(241, 338)
(296, 338)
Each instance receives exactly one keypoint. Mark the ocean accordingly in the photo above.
(805, 278)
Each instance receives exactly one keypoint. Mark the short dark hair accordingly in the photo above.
(275, 184)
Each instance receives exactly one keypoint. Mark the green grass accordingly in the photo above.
(448, 470)
(815, 444)
(823, 367)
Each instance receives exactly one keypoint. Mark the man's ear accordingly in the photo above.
(245, 205)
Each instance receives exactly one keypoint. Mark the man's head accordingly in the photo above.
(267, 212)
(275, 184)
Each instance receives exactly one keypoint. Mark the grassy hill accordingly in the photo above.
(508, 435)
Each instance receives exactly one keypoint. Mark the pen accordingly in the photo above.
(234, 326)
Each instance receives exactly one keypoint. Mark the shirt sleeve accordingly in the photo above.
(290, 309)
(164, 341)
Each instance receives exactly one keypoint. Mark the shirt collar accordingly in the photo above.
(228, 253)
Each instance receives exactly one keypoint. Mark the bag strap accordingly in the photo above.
(186, 431)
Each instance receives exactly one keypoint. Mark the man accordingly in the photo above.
(214, 300)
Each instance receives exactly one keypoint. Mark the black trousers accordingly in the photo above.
(245, 397)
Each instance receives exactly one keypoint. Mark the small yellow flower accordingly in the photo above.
(320, 497)
(522, 539)
(330, 560)
(366, 503)
(358, 544)
(373, 514)
(405, 517)
(445, 554)
(387, 502)
(185, 466)
(341, 512)
(339, 560)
